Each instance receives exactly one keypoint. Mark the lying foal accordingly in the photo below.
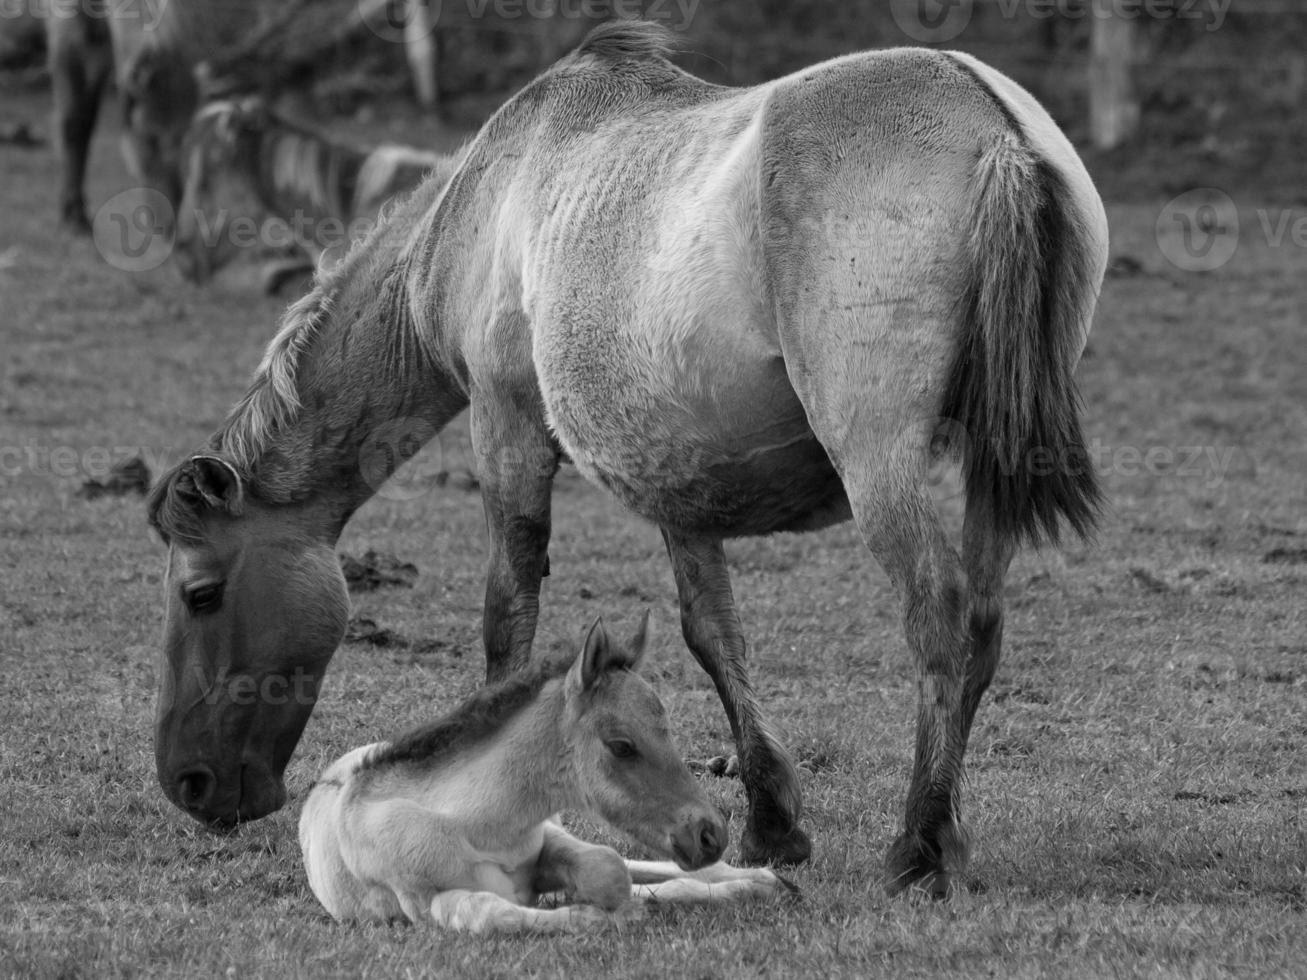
(454, 821)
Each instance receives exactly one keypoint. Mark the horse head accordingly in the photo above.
(626, 765)
(255, 606)
(158, 95)
(219, 157)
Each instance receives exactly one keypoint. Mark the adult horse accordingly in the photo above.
(151, 47)
(244, 163)
(739, 310)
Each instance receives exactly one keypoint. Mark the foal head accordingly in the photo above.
(626, 767)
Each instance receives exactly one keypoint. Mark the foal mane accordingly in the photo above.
(481, 715)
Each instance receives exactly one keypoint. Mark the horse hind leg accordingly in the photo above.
(986, 557)
(881, 450)
(902, 530)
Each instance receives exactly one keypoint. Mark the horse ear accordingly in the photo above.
(217, 483)
(590, 666)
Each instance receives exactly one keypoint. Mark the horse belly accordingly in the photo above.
(664, 378)
(736, 457)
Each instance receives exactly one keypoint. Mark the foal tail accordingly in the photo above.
(1011, 388)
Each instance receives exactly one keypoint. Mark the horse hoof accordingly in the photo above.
(912, 865)
(783, 850)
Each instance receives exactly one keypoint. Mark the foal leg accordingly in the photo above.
(663, 881)
(589, 873)
(485, 912)
(516, 460)
(712, 631)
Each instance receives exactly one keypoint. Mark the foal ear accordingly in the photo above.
(217, 483)
(593, 661)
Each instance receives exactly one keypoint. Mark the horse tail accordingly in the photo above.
(1031, 287)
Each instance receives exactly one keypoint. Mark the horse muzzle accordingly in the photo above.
(222, 802)
(700, 840)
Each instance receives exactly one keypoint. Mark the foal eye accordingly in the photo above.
(622, 748)
(204, 598)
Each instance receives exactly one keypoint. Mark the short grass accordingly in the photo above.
(1136, 778)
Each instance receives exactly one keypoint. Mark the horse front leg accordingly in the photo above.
(516, 462)
(712, 631)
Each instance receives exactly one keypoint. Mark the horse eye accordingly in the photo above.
(622, 748)
(205, 598)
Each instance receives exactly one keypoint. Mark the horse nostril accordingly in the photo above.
(710, 841)
(195, 787)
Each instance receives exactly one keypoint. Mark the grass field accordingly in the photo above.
(1137, 775)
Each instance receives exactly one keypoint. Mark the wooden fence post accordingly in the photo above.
(1113, 102)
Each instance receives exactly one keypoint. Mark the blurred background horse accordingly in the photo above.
(246, 164)
(150, 49)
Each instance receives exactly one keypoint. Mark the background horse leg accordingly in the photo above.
(516, 462)
(712, 631)
(80, 58)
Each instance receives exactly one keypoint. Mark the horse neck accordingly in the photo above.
(348, 389)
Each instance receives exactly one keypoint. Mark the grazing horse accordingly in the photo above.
(151, 48)
(741, 311)
(453, 821)
(244, 162)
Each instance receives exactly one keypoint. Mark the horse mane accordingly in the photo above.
(481, 715)
(627, 40)
(272, 401)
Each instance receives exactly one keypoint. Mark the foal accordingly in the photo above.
(453, 821)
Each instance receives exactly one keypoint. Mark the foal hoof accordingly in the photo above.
(781, 849)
